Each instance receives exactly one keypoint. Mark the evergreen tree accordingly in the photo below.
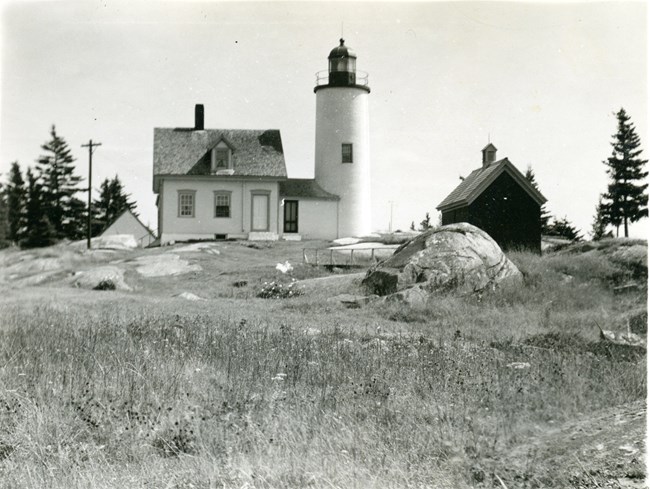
(113, 201)
(626, 200)
(599, 225)
(59, 186)
(425, 223)
(412, 228)
(4, 222)
(39, 231)
(16, 200)
(564, 229)
(544, 215)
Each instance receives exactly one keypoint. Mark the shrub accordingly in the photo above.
(107, 284)
(278, 290)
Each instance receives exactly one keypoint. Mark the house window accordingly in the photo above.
(221, 159)
(222, 204)
(346, 153)
(186, 203)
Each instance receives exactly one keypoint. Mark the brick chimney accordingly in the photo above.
(489, 155)
(198, 117)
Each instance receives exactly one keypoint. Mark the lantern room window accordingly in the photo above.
(343, 64)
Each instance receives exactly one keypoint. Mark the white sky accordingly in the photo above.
(543, 79)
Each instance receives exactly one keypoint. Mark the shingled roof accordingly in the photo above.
(479, 180)
(181, 151)
(305, 188)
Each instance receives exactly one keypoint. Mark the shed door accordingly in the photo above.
(290, 216)
(260, 212)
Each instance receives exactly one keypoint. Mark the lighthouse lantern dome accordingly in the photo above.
(342, 59)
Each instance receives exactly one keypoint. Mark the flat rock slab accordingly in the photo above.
(164, 265)
(346, 241)
(200, 247)
(111, 242)
(189, 296)
(333, 285)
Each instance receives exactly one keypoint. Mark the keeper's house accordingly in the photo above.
(227, 183)
(498, 199)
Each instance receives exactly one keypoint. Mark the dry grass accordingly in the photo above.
(107, 389)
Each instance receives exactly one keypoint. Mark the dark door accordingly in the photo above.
(290, 216)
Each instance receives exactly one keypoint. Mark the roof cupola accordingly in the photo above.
(489, 155)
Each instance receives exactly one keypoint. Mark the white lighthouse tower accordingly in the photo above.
(342, 164)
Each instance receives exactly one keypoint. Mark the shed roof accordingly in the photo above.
(479, 180)
(124, 213)
(305, 188)
(183, 151)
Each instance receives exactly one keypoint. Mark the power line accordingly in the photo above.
(90, 147)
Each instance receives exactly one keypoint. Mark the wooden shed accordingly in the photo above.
(498, 199)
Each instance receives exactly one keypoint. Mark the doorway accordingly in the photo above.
(290, 216)
(260, 212)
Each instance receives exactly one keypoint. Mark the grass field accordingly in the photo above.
(106, 389)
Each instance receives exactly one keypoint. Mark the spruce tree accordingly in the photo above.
(16, 200)
(59, 186)
(39, 231)
(544, 215)
(626, 200)
(4, 222)
(564, 229)
(426, 223)
(112, 202)
(599, 225)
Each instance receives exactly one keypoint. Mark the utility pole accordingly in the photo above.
(90, 146)
(390, 223)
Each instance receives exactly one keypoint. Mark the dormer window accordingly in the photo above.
(221, 158)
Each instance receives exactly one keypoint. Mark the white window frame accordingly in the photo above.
(217, 195)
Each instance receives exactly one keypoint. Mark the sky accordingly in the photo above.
(541, 81)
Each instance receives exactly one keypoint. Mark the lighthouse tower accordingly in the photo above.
(342, 164)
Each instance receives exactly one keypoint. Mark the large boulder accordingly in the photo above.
(457, 257)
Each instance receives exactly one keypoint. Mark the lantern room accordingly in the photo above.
(342, 65)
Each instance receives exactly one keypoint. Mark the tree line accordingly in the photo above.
(42, 207)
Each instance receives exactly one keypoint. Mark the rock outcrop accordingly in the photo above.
(100, 278)
(457, 257)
